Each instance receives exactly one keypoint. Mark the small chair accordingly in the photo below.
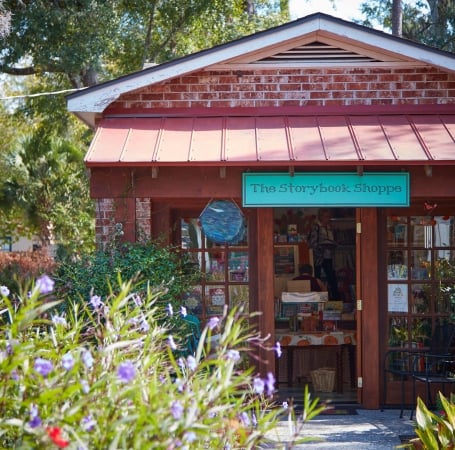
(420, 365)
(195, 333)
(438, 369)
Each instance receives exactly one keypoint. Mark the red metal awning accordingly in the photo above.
(274, 140)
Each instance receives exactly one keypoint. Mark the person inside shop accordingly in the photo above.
(322, 242)
(306, 273)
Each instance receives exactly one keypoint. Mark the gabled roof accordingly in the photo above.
(317, 40)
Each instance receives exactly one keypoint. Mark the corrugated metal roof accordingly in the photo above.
(236, 140)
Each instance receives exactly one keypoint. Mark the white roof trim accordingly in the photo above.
(86, 104)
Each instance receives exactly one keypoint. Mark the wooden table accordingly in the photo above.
(339, 342)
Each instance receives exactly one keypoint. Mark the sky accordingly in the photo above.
(343, 9)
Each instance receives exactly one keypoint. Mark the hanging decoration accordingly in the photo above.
(223, 222)
(429, 207)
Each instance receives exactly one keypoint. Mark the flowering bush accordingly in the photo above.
(17, 268)
(108, 374)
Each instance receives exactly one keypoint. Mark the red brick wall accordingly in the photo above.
(298, 87)
(105, 219)
(143, 211)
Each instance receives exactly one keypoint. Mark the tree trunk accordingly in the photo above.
(397, 18)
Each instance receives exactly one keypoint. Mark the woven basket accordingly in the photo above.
(323, 379)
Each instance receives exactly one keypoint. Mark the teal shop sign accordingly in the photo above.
(325, 189)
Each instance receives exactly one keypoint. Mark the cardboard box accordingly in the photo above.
(299, 286)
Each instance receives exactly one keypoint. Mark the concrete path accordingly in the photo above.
(369, 429)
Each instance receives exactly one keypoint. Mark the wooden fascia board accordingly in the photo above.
(394, 45)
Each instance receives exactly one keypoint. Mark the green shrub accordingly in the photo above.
(105, 375)
(148, 264)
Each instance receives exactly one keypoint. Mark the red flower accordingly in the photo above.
(55, 433)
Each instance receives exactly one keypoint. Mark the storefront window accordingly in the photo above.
(420, 277)
(224, 272)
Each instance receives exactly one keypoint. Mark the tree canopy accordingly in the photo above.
(57, 45)
(430, 22)
(50, 46)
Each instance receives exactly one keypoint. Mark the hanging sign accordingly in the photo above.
(326, 189)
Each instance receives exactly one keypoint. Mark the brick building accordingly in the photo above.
(354, 110)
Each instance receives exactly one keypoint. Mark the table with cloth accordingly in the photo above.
(303, 352)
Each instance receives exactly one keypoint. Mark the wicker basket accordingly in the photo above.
(323, 379)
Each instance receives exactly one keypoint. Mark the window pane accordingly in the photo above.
(215, 299)
(397, 230)
(398, 331)
(239, 296)
(444, 298)
(420, 264)
(215, 266)
(444, 233)
(421, 332)
(421, 231)
(397, 265)
(193, 300)
(444, 268)
(238, 266)
(421, 295)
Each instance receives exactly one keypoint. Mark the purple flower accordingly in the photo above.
(137, 300)
(278, 350)
(88, 423)
(170, 310)
(95, 301)
(180, 384)
(126, 372)
(285, 405)
(85, 386)
(192, 363)
(67, 361)
(183, 311)
(258, 385)
(232, 354)
(45, 284)
(4, 291)
(144, 325)
(43, 366)
(172, 343)
(87, 359)
(213, 322)
(177, 410)
(59, 320)
(244, 418)
(10, 346)
(189, 436)
(35, 419)
(270, 383)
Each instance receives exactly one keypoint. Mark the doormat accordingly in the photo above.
(340, 411)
